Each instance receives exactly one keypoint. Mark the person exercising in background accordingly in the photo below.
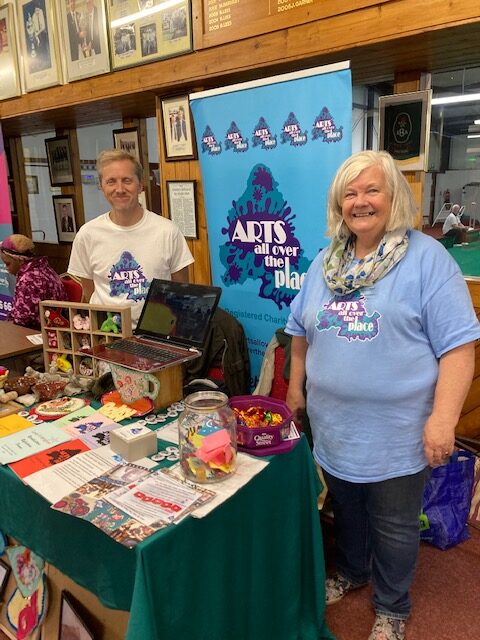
(117, 254)
(453, 225)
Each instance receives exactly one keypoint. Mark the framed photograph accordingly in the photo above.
(83, 29)
(141, 31)
(404, 128)
(71, 625)
(10, 84)
(65, 219)
(177, 128)
(182, 206)
(127, 140)
(59, 159)
(38, 43)
(32, 184)
(4, 574)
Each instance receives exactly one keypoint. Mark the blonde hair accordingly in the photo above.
(403, 211)
(116, 155)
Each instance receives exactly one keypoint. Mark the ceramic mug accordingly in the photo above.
(134, 385)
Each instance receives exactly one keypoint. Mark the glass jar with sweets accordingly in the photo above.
(207, 437)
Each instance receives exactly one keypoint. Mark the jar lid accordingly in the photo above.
(205, 401)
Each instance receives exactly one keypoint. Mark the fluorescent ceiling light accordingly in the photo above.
(476, 122)
(477, 135)
(469, 97)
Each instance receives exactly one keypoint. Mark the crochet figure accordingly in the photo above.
(112, 324)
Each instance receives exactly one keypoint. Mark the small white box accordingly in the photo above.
(133, 442)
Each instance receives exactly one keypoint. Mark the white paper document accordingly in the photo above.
(247, 468)
(35, 338)
(158, 498)
(55, 482)
(30, 441)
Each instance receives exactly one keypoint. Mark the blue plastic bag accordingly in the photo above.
(446, 501)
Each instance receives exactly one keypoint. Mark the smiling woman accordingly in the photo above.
(371, 328)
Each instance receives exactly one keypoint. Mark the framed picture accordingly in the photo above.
(4, 574)
(32, 184)
(39, 43)
(127, 140)
(404, 128)
(83, 29)
(71, 626)
(182, 206)
(64, 208)
(59, 160)
(141, 31)
(10, 84)
(177, 128)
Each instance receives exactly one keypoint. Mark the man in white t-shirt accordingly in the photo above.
(117, 254)
(453, 225)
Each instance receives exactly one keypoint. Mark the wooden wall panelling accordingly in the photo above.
(20, 184)
(141, 126)
(220, 21)
(390, 36)
(200, 271)
(59, 254)
(469, 423)
(404, 83)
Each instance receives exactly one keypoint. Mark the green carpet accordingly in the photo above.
(468, 258)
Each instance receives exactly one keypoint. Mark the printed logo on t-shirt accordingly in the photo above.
(127, 277)
(348, 315)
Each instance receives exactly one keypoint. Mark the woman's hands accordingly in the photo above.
(438, 440)
(455, 373)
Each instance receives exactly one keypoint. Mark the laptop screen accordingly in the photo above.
(178, 311)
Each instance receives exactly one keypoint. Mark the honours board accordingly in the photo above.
(228, 20)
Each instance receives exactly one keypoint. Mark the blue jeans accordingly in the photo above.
(377, 535)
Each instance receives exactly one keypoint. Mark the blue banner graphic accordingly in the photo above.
(5, 230)
(268, 154)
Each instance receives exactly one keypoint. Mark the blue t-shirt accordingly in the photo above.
(372, 360)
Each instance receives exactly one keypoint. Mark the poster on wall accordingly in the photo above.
(6, 281)
(268, 151)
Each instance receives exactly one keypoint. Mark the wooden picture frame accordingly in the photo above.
(9, 72)
(177, 128)
(65, 218)
(141, 31)
(71, 624)
(4, 575)
(84, 38)
(404, 128)
(32, 184)
(127, 140)
(38, 44)
(182, 206)
(59, 158)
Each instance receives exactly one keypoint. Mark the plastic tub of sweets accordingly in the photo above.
(261, 436)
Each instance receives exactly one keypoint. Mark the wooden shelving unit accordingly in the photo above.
(69, 328)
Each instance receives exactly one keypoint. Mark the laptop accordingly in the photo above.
(172, 328)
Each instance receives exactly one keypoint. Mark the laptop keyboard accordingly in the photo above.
(145, 351)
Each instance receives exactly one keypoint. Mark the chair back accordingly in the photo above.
(73, 287)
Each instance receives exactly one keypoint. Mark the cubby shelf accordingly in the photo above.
(70, 327)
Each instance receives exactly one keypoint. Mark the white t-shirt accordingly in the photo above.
(122, 261)
(450, 221)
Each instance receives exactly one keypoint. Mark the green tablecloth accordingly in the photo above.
(252, 569)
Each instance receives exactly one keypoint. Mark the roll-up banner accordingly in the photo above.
(5, 230)
(268, 151)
